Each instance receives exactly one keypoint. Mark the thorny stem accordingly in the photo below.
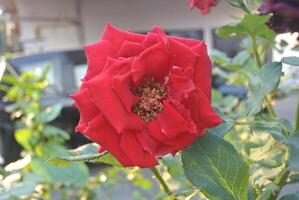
(161, 181)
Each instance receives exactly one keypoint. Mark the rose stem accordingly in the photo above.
(161, 181)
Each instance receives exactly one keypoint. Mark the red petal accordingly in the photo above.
(131, 146)
(122, 88)
(101, 132)
(117, 37)
(147, 142)
(203, 5)
(130, 49)
(155, 130)
(96, 55)
(150, 40)
(172, 122)
(203, 70)
(187, 41)
(180, 83)
(153, 62)
(86, 108)
(182, 55)
(202, 112)
(182, 141)
(106, 97)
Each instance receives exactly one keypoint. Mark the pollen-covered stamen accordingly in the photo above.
(151, 95)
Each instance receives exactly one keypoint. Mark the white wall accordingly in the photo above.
(141, 15)
(138, 15)
(48, 25)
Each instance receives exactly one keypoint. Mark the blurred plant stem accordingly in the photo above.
(163, 184)
(255, 52)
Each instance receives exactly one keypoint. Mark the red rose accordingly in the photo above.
(145, 96)
(203, 5)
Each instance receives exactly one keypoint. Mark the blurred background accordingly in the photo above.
(35, 34)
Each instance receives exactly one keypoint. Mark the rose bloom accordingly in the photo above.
(145, 96)
(203, 5)
(285, 14)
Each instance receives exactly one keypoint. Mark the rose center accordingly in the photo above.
(151, 95)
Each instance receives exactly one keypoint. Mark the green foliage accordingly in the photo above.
(75, 174)
(293, 144)
(237, 62)
(86, 153)
(264, 81)
(49, 114)
(243, 4)
(293, 196)
(19, 190)
(215, 167)
(252, 25)
(275, 126)
(54, 132)
(269, 190)
(40, 140)
(270, 154)
(292, 60)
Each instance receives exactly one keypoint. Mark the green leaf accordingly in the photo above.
(220, 58)
(240, 59)
(251, 25)
(49, 114)
(50, 150)
(91, 148)
(67, 160)
(222, 129)
(292, 60)
(86, 153)
(293, 144)
(294, 196)
(243, 4)
(273, 126)
(269, 155)
(52, 131)
(268, 191)
(76, 174)
(22, 189)
(174, 167)
(294, 177)
(264, 81)
(283, 43)
(142, 182)
(24, 137)
(214, 166)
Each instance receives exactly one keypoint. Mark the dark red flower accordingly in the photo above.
(285, 16)
(203, 5)
(145, 96)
